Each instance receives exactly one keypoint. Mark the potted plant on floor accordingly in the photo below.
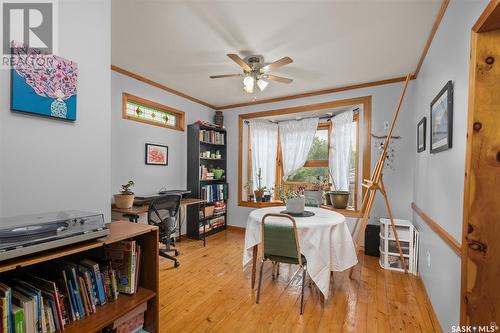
(294, 200)
(125, 199)
(259, 192)
(338, 198)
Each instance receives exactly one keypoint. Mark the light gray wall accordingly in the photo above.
(129, 137)
(439, 178)
(384, 100)
(47, 164)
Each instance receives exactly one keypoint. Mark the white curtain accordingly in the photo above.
(296, 137)
(264, 144)
(340, 149)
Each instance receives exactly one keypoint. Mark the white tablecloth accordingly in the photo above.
(324, 240)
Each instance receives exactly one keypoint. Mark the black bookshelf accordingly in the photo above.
(196, 146)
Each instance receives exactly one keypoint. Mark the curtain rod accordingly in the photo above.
(329, 117)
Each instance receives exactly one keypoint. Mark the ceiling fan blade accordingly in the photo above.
(224, 75)
(278, 63)
(279, 79)
(236, 58)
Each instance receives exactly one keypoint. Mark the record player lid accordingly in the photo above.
(44, 218)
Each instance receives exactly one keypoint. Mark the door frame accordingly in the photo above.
(476, 120)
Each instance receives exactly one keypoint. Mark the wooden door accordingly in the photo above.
(481, 229)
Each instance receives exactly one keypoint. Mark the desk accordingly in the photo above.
(133, 213)
(324, 240)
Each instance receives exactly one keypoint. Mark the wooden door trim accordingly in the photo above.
(488, 155)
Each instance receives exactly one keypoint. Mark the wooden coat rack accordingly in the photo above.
(376, 183)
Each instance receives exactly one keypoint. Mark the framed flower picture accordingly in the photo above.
(421, 134)
(156, 154)
(42, 84)
(441, 126)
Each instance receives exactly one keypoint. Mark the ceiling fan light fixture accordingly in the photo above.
(262, 84)
(248, 84)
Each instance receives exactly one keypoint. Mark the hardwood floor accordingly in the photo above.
(210, 292)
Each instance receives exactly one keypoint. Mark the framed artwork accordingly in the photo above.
(441, 126)
(42, 84)
(156, 154)
(421, 134)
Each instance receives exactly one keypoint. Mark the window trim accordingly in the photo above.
(126, 97)
(364, 143)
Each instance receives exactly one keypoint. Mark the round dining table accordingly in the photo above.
(324, 240)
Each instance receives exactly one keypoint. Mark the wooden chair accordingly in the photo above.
(281, 245)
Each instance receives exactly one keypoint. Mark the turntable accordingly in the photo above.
(22, 235)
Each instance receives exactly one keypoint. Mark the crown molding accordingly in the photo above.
(159, 85)
(437, 23)
(316, 93)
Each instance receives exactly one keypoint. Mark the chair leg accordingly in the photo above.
(277, 269)
(168, 256)
(260, 281)
(304, 274)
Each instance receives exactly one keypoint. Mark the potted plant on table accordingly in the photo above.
(338, 198)
(126, 197)
(259, 192)
(294, 200)
(314, 192)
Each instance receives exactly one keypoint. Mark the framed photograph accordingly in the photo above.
(156, 154)
(441, 126)
(421, 134)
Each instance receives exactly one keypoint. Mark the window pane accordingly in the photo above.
(309, 174)
(150, 114)
(319, 149)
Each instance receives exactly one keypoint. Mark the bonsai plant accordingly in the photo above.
(259, 192)
(338, 198)
(126, 197)
(295, 200)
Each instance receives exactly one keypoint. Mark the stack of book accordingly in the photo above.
(205, 174)
(212, 224)
(46, 299)
(212, 137)
(219, 208)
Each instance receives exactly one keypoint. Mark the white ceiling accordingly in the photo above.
(333, 43)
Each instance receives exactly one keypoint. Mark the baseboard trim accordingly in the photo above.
(428, 305)
(235, 228)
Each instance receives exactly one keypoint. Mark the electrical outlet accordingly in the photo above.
(428, 259)
(386, 125)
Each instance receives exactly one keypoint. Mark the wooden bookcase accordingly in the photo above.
(147, 237)
(195, 183)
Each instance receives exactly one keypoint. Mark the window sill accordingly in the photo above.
(345, 212)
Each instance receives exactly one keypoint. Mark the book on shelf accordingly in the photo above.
(214, 192)
(122, 256)
(213, 137)
(46, 298)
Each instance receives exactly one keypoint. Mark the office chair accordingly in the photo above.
(162, 213)
(281, 245)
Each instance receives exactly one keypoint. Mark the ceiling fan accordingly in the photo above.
(256, 73)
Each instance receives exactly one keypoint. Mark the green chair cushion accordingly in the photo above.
(287, 260)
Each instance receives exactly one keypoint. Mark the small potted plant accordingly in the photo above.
(338, 198)
(259, 192)
(314, 192)
(125, 199)
(294, 200)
